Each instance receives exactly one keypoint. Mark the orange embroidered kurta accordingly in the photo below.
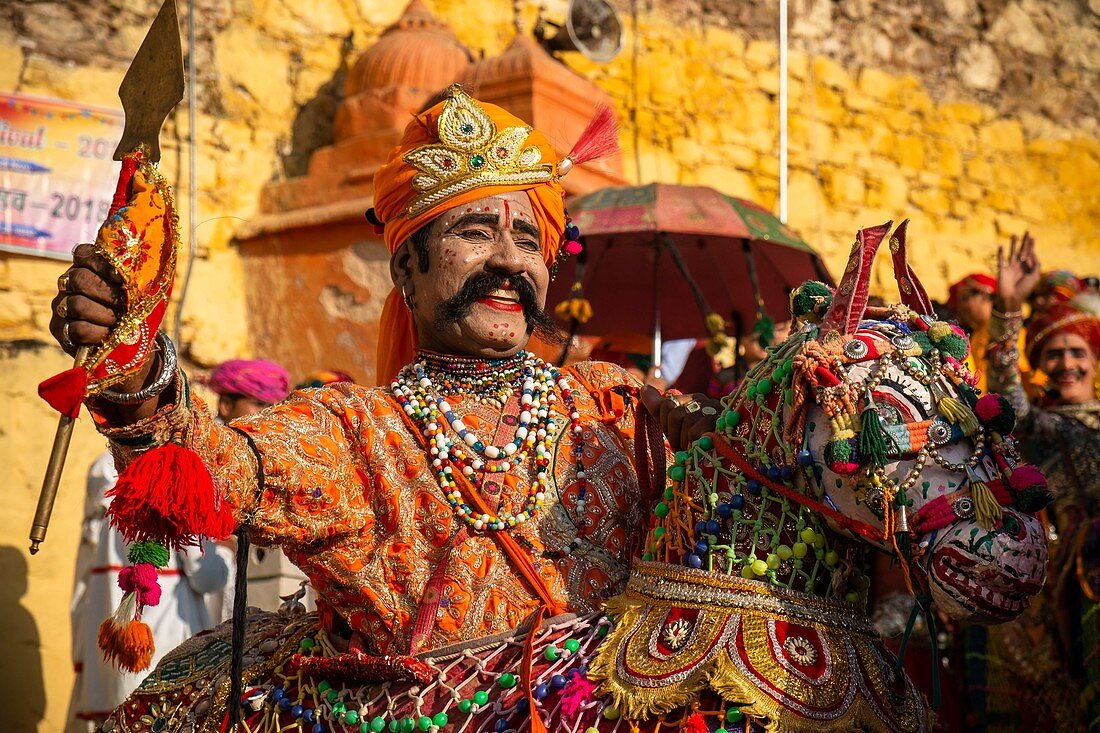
(339, 480)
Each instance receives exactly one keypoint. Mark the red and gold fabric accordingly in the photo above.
(798, 661)
(139, 238)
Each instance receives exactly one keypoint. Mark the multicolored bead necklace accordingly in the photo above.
(421, 389)
(488, 381)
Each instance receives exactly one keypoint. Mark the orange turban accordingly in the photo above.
(459, 151)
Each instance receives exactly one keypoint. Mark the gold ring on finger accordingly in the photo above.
(692, 406)
(62, 309)
(709, 411)
(63, 282)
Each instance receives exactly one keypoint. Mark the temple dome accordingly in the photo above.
(418, 52)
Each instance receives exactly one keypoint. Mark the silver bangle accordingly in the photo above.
(167, 375)
(1009, 315)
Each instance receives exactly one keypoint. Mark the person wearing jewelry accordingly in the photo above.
(480, 486)
(1044, 667)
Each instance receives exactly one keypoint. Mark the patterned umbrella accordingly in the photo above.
(659, 257)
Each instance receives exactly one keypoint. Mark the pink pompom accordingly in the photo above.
(989, 406)
(142, 580)
(572, 248)
(1027, 477)
(150, 596)
(844, 468)
(577, 693)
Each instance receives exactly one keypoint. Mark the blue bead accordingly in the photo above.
(501, 726)
(523, 706)
(713, 526)
(693, 561)
(557, 681)
(297, 711)
(285, 704)
(317, 728)
(805, 458)
(737, 502)
(787, 473)
(308, 716)
(753, 486)
(583, 669)
(277, 693)
(725, 511)
(774, 473)
(702, 547)
(700, 527)
(541, 691)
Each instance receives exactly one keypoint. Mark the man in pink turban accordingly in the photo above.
(246, 386)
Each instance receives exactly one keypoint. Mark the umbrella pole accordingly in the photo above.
(656, 313)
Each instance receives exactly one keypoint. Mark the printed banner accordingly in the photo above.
(56, 173)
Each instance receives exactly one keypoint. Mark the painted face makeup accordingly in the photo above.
(484, 291)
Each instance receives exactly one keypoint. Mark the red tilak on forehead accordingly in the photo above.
(507, 214)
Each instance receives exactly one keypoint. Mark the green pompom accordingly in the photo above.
(920, 338)
(149, 551)
(764, 331)
(811, 300)
(954, 345)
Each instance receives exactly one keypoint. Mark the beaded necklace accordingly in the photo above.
(422, 388)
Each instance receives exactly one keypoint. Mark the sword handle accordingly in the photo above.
(54, 467)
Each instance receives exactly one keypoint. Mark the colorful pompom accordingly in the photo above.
(576, 694)
(1029, 489)
(695, 723)
(811, 300)
(996, 413)
(950, 339)
(149, 551)
(167, 494)
(842, 456)
(141, 579)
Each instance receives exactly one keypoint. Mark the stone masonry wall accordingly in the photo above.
(974, 117)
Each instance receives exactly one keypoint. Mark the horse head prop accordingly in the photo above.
(860, 432)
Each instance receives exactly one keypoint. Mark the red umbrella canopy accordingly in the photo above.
(646, 245)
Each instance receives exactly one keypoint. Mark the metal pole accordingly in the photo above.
(657, 340)
(634, 91)
(54, 468)
(783, 111)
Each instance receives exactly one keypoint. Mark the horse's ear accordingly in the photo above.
(850, 300)
(913, 293)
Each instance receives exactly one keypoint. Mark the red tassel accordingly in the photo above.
(600, 138)
(66, 391)
(695, 723)
(167, 495)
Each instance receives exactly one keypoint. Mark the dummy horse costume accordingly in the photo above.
(747, 610)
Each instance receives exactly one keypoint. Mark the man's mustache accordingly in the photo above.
(480, 285)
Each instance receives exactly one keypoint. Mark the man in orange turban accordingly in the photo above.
(479, 487)
(457, 167)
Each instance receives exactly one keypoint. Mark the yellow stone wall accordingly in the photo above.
(866, 145)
